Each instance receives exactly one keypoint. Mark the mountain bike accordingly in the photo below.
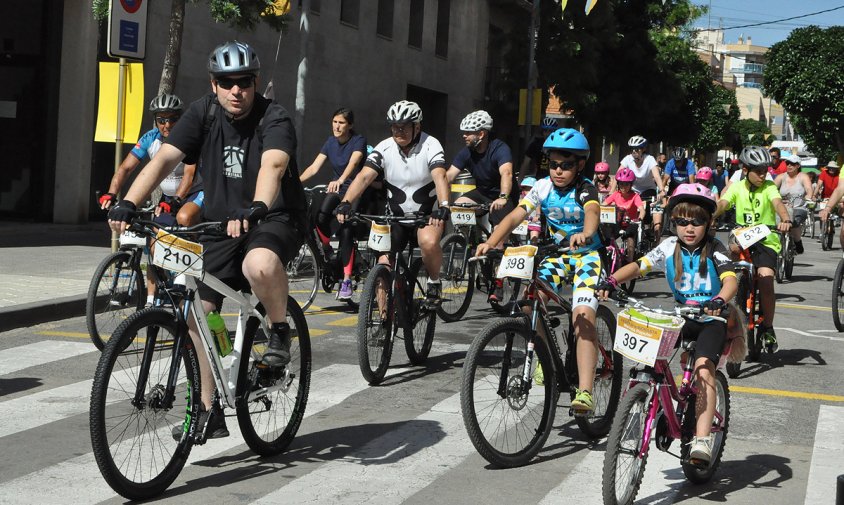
(747, 296)
(313, 268)
(654, 405)
(515, 369)
(147, 380)
(460, 276)
(393, 299)
(785, 260)
(811, 219)
(619, 232)
(827, 234)
(118, 287)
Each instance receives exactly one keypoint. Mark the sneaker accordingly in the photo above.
(345, 292)
(700, 452)
(278, 350)
(498, 293)
(769, 340)
(433, 292)
(583, 401)
(539, 375)
(214, 423)
(798, 246)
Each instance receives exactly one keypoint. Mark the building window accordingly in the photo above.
(417, 16)
(349, 10)
(443, 16)
(315, 5)
(384, 26)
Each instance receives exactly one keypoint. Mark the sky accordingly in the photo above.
(733, 13)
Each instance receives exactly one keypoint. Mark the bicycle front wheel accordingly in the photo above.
(838, 297)
(303, 276)
(272, 401)
(624, 462)
(419, 320)
(458, 278)
(117, 290)
(131, 423)
(719, 433)
(606, 389)
(507, 420)
(376, 322)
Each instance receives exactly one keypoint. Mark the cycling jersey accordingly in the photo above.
(755, 206)
(485, 167)
(408, 180)
(148, 145)
(563, 209)
(629, 204)
(644, 176)
(692, 286)
(830, 182)
(679, 175)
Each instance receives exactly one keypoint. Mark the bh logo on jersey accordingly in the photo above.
(233, 161)
(696, 283)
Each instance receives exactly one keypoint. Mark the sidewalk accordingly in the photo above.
(45, 270)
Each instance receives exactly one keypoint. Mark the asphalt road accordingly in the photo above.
(404, 441)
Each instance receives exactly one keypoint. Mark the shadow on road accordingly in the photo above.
(782, 358)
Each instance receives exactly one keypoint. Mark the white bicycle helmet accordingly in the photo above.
(475, 121)
(233, 58)
(166, 102)
(755, 156)
(404, 112)
(637, 141)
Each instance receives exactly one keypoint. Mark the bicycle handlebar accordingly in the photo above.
(693, 312)
(471, 205)
(417, 218)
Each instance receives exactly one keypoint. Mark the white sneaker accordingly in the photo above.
(701, 449)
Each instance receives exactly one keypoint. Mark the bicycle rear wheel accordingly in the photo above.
(719, 438)
(376, 326)
(303, 276)
(130, 433)
(507, 421)
(271, 402)
(117, 290)
(838, 297)
(780, 268)
(606, 389)
(420, 321)
(624, 467)
(458, 278)
(789, 260)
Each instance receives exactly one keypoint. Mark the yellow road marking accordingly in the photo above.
(801, 306)
(346, 321)
(789, 394)
(73, 334)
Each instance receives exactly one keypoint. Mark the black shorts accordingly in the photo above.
(763, 256)
(495, 216)
(224, 258)
(400, 235)
(710, 338)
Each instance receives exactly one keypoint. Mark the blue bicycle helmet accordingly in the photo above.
(567, 139)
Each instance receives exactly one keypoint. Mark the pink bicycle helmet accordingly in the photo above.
(624, 174)
(602, 167)
(694, 193)
(704, 174)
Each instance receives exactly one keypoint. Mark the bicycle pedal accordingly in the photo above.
(579, 413)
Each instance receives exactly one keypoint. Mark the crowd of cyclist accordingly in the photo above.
(261, 192)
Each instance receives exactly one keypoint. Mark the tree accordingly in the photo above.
(719, 121)
(240, 14)
(624, 69)
(805, 74)
(751, 132)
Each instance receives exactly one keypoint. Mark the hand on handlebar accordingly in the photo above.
(714, 306)
(333, 187)
(342, 211)
(240, 220)
(578, 240)
(107, 200)
(784, 226)
(497, 204)
(440, 216)
(120, 215)
(482, 249)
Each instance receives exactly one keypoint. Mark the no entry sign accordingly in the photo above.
(127, 34)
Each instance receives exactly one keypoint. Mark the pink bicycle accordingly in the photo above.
(654, 406)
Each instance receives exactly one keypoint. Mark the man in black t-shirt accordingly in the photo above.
(245, 145)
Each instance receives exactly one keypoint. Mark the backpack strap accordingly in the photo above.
(210, 115)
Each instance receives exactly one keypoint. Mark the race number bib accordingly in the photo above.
(379, 237)
(637, 341)
(746, 237)
(608, 214)
(177, 254)
(517, 262)
(129, 238)
(522, 229)
(461, 216)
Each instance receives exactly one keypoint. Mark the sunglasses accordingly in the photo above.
(241, 82)
(400, 127)
(680, 221)
(165, 120)
(564, 165)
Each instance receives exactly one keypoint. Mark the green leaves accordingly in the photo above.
(240, 14)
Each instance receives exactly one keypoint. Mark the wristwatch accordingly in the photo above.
(503, 195)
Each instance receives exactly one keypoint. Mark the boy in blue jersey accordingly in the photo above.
(570, 205)
(698, 271)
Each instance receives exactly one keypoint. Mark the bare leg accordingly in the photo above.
(268, 278)
(583, 318)
(706, 397)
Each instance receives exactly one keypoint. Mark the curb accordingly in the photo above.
(29, 314)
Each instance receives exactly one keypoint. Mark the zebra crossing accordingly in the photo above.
(395, 444)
